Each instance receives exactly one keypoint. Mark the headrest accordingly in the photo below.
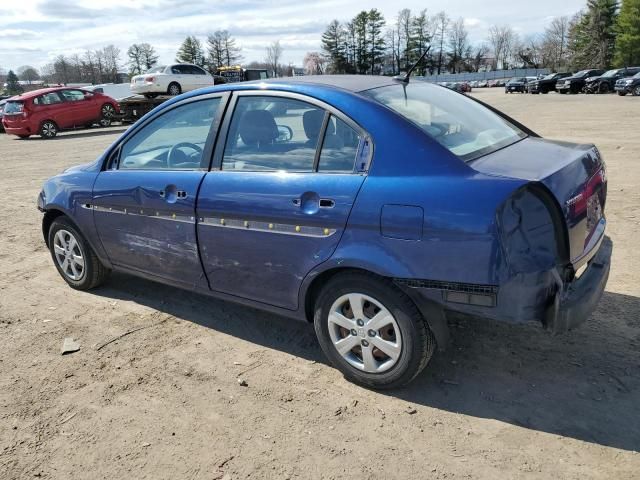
(312, 123)
(258, 127)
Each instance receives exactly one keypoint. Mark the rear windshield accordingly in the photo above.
(465, 127)
(13, 107)
(157, 69)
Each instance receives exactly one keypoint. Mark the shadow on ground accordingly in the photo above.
(583, 385)
(68, 134)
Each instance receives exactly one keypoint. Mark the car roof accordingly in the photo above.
(353, 83)
(35, 93)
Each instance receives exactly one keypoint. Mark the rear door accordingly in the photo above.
(144, 202)
(51, 106)
(182, 75)
(200, 77)
(279, 199)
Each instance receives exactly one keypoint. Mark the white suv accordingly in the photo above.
(170, 79)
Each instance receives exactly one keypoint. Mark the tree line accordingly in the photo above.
(605, 33)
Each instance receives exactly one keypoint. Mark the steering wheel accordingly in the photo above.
(171, 161)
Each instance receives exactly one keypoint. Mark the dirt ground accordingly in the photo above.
(165, 402)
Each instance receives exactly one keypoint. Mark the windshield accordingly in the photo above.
(610, 73)
(637, 75)
(466, 128)
(157, 69)
(582, 73)
(13, 107)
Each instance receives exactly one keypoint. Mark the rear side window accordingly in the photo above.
(196, 70)
(273, 133)
(339, 147)
(47, 99)
(173, 141)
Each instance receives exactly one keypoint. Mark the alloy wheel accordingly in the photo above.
(174, 89)
(68, 254)
(49, 129)
(364, 333)
(636, 91)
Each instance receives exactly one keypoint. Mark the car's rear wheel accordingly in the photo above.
(636, 91)
(107, 113)
(174, 89)
(604, 88)
(73, 257)
(48, 129)
(371, 331)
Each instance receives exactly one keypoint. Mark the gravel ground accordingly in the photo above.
(165, 401)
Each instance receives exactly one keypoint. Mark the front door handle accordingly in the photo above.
(171, 194)
(327, 203)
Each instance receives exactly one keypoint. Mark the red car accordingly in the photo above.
(47, 111)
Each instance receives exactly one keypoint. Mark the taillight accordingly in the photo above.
(590, 202)
(149, 79)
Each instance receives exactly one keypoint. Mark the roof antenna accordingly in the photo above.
(405, 79)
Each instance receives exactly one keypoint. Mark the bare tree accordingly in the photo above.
(502, 39)
(442, 23)
(555, 42)
(314, 63)
(274, 54)
(28, 73)
(459, 47)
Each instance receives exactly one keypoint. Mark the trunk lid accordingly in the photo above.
(573, 173)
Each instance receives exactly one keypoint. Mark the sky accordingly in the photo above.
(33, 32)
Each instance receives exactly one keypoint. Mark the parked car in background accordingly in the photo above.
(492, 83)
(606, 82)
(576, 82)
(482, 84)
(171, 80)
(547, 83)
(371, 207)
(629, 85)
(514, 85)
(46, 111)
(529, 80)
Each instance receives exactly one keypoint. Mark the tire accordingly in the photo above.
(405, 335)
(636, 91)
(48, 129)
(150, 95)
(83, 274)
(174, 89)
(603, 88)
(106, 115)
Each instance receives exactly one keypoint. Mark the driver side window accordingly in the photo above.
(173, 141)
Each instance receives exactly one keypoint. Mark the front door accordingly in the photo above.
(279, 202)
(144, 203)
(79, 109)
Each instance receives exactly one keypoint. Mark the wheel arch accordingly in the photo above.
(49, 216)
(432, 312)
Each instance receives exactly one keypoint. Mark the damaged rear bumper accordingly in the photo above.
(574, 301)
(540, 297)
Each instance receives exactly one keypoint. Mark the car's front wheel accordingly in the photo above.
(636, 91)
(107, 112)
(48, 129)
(73, 257)
(371, 331)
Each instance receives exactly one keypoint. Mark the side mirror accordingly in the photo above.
(285, 134)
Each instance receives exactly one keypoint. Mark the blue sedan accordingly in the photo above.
(370, 206)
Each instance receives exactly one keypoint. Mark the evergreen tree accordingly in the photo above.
(13, 87)
(627, 52)
(375, 37)
(191, 51)
(334, 48)
(592, 36)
